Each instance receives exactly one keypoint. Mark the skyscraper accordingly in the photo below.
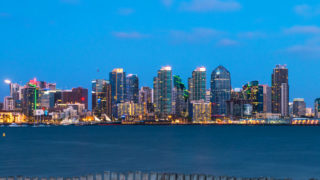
(280, 90)
(266, 99)
(146, 99)
(101, 98)
(198, 84)
(220, 90)
(299, 107)
(117, 80)
(30, 99)
(254, 93)
(317, 108)
(179, 97)
(132, 83)
(163, 92)
(8, 103)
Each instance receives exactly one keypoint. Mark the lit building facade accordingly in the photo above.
(129, 110)
(30, 99)
(254, 93)
(101, 98)
(238, 106)
(197, 84)
(146, 99)
(132, 83)
(299, 107)
(180, 98)
(200, 111)
(267, 108)
(317, 108)
(220, 90)
(76, 95)
(117, 80)
(280, 90)
(8, 103)
(163, 92)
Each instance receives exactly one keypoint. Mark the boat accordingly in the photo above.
(13, 125)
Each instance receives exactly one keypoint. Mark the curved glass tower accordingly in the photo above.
(220, 90)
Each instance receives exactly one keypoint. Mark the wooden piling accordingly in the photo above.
(106, 175)
(137, 175)
(114, 176)
(153, 176)
(145, 176)
(130, 176)
(98, 177)
(122, 176)
(90, 177)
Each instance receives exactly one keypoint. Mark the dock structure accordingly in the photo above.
(138, 175)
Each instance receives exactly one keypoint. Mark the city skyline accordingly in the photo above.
(142, 84)
(70, 46)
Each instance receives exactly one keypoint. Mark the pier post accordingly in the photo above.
(209, 177)
(194, 177)
(83, 178)
(19, 177)
(90, 177)
(130, 176)
(187, 177)
(114, 176)
(106, 175)
(153, 176)
(43, 178)
(137, 175)
(98, 177)
(10, 178)
(52, 178)
(180, 177)
(145, 176)
(202, 177)
(122, 176)
(173, 177)
(35, 178)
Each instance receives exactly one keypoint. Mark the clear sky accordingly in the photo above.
(66, 41)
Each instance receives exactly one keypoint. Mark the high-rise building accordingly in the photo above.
(146, 99)
(76, 95)
(8, 103)
(1, 106)
(117, 80)
(198, 84)
(266, 99)
(179, 97)
(238, 106)
(220, 90)
(163, 92)
(317, 108)
(101, 98)
(299, 107)
(132, 83)
(30, 99)
(15, 93)
(284, 99)
(280, 90)
(254, 93)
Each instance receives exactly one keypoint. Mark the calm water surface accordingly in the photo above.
(278, 151)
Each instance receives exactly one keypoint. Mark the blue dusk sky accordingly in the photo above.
(66, 41)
